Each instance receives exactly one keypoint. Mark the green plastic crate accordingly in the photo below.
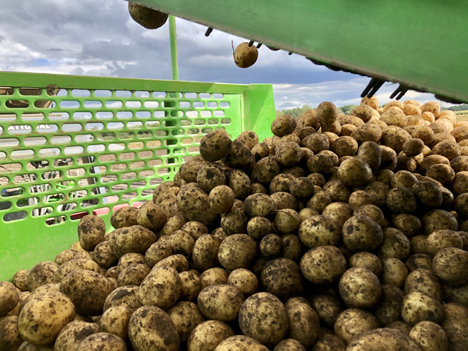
(72, 145)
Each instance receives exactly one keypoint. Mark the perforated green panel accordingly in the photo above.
(72, 145)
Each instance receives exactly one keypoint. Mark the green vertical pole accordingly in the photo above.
(175, 76)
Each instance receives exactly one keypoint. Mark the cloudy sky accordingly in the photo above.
(98, 37)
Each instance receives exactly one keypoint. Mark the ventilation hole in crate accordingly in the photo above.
(163, 171)
(14, 216)
(128, 175)
(153, 143)
(141, 94)
(42, 103)
(106, 136)
(190, 95)
(10, 142)
(224, 104)
(193, 131)
(51, 175)
(178, 132)
(30, 91)
(145, 154)
(92, 104)
(153, 124)
(41, 211)
(218, 113)
(193, 149)
(159, 114)
(11, 192)
(17, 103)
(104, 115)
(30, 201)
(212, 104)
(115, 125)
(159, 94)
(62, 116)
(160, 133)
(204, 95)
(31, 117)
(156, 181)
(24, 178)
(81, 92)
(187, 141)
(100, 190)
(124, 114)
(82, 115)
(39, 188)
(144, 135)
(125, 136)
(113, 104)
(55, 220)
(133, 104)
(102, 93)
(96, 148)
(191, 114)
(88, 203)
(146, 192)
(213, 121)
(62, 139)
(65, 104)
(7, 117)
(71, 127)
(206, 113)
(118, 167)
(185, 123)
(119, 187)
(108, 158)
(225, 121)
(151, 104)
(46, 128)
(94, 126)
(123, 93)
(22, 154)
(179, 151)
(139, 184)
(84, 138)
(199, 122)
(109, 178)
(20, 129)
(69, 206)
(73, 150)
(131, 195)
(4, 180)
(218, 96)
(31, 141)
(184, 104)
(146, 173)
(143, 114)
(136, 145)
(136, 165)
(116, 147)
(5, 205)
(171, 160)
(87, 181)
(127, 156)
(76, 172)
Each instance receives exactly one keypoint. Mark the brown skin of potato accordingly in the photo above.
(449, 149)
(240, 343)
(316, 142)
(303, 324)
(318, 231)
(394, 118)
(418, 307)
(20, 279)
(234, 222)
(378, 191)
(73, 333)
(353, 322)
(124, 217)
(185, 316)
(215, 145)
(239, 156)
(102, 342)
(132, 239)
(366, 260)
(460, 183)
(210, 176)
(371, 211)
(205, 252)
(244, 280)
(281, 182)
(441, 239)
(327, 307)
(392, 338)
(338, 212)
(260, 150)
(181, 242)
(282, 278)
(401, 200)
(337, 190)
(437, 220)
(455, 326)
(389, 307)
(355, 173)
(239, 182)
(458, 295)
(320, 164)
(450, 266)
(133, 274)
(103, 256)
(429, 336)
(360, 233)
(10, 338)
(283, 125)
(395, 244)
(237, 251)
(150, 327)
(286, 221)
(161, 287)
(271, 246)
(410, 225)
(360, 288)
(367, 132)
(319, 201)
(191, 285)
(331, 261)
(289, 345)
(41, 274)
(403, 179)
(115, 321)
(129, 259)
(220, 302)
(258, 227)
(389, 158)
(151, 216)
(460, 206)
(284, 200)
(193, 203)
(9, 297)
(214, 276)
(302, 187)
(442, 173)
(156, 252)
(266, 169)
(188, 170)
(419, 244)
(360, 198)
(394, 271)
(419, 261)
(172, 224)
(123, 296)
(292, 247)
(401, 326)
(344, 146)
(91, 230)
(329, 342)
(424, 281)
(208, 335)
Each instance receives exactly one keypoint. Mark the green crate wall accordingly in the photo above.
(71, 145)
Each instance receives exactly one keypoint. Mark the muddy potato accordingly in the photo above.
(307, 212)
(316, 142)
(102, 342)
(450, 266)
(258, 227)
(215, 145)
(408, 224)
(129, 259)
(379, 191)
(73, 333)
(301, 187)
(132, 239)
(103, 255)
(353, 322)
(418, 307)
(389, 159)
(44, 316)
(338, 213)
(283, 125)
(91, 230)
(317, 231)
(320, 164)
(413, 147)
(401, 200)
(210, 176)
(366, 260)
(264, 317)
(419, 261)
(394, 118)
(319, 201)
(208, 335)
(394, 271)
(367, 132)
(429, 336)
(303, 323)
(240, 343)
(286, 221)
(161, 287)
(289, 345)
(460, 183)
(329, 342)
(244, 280)
(239, 182)
(115, 321)
(438, 219)
(455, 326)
(271, 246)
(393, 339)
(323, 265)
(424, 281)
(442, 173)
(284, 200)
(185, 316)
(292, 247)
(361, 233)
(20, 279)
(156, 252)
(360, 198)
(441, 239)
(220, 302)
(221, 199)
(205, 252)
(124, 217)
(395, 244)
(194, 204)
(9, 297)
(360, 288)
(260, 150)
(123, 296)
(328, 308)
(145, 334)
(10, 338)
(337, 190)
(355, 173)
(401, 326)
(371, 211)
(133, 274)
(389, 307)
(282, 277)
(237, 251)
(191, 285)
(281, 182)
(404, 179)
(344, 146)
(41, 274)
(181, 242)
(419, 244)
(213, 276)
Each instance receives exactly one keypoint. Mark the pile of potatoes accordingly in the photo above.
(340, 232)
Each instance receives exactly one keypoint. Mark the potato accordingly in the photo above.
(394, 118)
(292, 247)
(283, 125)
(442, 173)
(91, 230)
(161, 287)
(151, 328)
(87, 290)
(303, 323)
(394, 271)
(210, 176)
(378, 191)
(371, 211)
(260, 150)
(41, 274)
(344, 146)
(392, 339)
(244, 280)
(424, 281)
(123, 296)
(301, 187)
(447, 148)
(181, 242)
(450, 266)
(258, 227)
(429, 336)
(205, 252)
(316, 142)
(431, 106)
(389, 158)
(327, 307)
(403, 179)
(20, 279)
(132, 239)
(337, 190)
(360, 288)
(347, 129)
(10, 338)
(353, 322)
(408, 224)
(360, 233)
(215, 145)
(102, 342)
(329, 342)
(115, 321)
(286, 221)
(191, 285)
(9, 297)
(438, 219)
(124, 217)
(455, 326)
(459, 185)
(281, 182)
(401, 200)
(156, 252)
(237, 251)
(418, 307)
(282, 277)
(103, 255)
(441, 239)
(221, 199)
(318, 231)
(133, 274)
(367, 132)
(42, 318)
(185, 316)
(73, 333)
(263, 317)
(289, 345)
(214, 276)
(355, 172)
(395, 244)
(323, 265)
(239, 182)
(366, 260)
(271, 246)
(208, 335)
(240, 343)
(389, 307)
(420, 260)
(319, 201)
(220, 302)
(320, 164)
(130, 259)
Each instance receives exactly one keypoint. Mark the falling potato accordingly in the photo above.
(245, 55)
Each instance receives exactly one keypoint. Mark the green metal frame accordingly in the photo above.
(420, 44)
(138, 131)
